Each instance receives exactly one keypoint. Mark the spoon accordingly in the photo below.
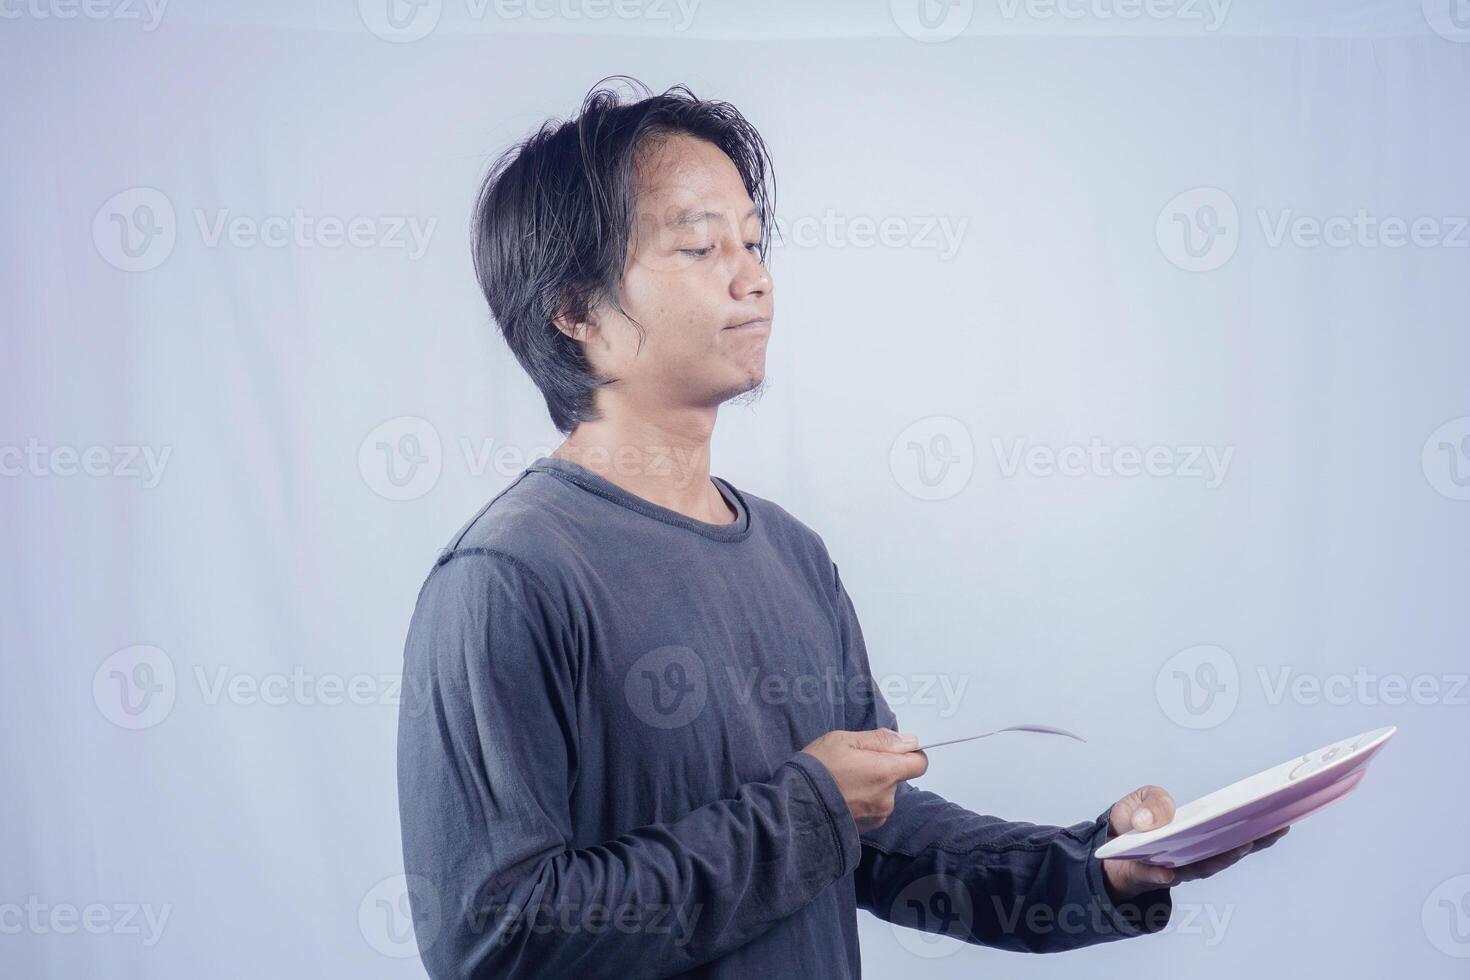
(1043, 729)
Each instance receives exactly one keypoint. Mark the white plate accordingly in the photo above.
(1255, 806)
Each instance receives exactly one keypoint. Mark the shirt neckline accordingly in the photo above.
(581, 476)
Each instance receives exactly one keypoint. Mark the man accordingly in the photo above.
(606, 764)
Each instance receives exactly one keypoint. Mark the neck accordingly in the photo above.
(663, 459)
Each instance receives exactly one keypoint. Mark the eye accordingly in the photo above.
(754, 246)
(698, 253)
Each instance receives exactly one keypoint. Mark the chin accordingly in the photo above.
(751, 391)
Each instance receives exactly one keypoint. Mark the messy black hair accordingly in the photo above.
(553, 217)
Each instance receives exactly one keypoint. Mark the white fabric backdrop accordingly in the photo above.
(209, 561)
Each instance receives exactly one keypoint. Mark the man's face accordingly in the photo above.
(692, 273)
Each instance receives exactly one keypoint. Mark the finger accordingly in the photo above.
(1218, 863)
(910, 765)
(1271, 838)
(1127, 814)
(1213, 865)
(1261, 843)
(1155, 808)
(903, 742)
(883, 740)
(1149, 876)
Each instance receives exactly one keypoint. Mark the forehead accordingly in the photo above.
(685, 180)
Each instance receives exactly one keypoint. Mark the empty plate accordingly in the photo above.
(1255, 806)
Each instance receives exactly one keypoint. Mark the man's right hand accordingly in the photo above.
(868, 766)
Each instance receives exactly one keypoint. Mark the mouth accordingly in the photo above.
(749, 326)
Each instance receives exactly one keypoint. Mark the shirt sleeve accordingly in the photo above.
(487, 750)
(940, 868)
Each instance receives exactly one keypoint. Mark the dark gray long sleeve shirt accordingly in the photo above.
(600, 767)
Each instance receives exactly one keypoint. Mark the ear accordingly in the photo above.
(584, 329)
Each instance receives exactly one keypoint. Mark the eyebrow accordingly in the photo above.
(684, 218)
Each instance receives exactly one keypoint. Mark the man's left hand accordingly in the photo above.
(1144, 809)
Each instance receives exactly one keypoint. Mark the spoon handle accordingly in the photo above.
(1041, 729)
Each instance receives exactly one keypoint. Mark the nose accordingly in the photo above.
(751, 277)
